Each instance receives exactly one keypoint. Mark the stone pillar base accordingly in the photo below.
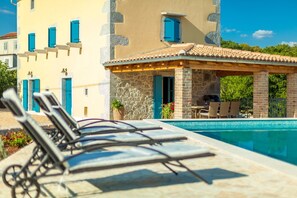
(183, 93)
(261, 90)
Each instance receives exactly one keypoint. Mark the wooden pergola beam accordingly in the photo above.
(242, 68)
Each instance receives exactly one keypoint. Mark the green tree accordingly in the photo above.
(8, 78)
(277, 82)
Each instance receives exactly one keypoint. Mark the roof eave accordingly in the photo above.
(200, 58)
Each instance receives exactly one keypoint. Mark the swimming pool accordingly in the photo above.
(276, 138)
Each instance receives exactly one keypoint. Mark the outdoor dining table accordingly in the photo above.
(197, 108)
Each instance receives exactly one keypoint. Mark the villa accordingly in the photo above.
(64, 52)
(8, 49)
(143, 53)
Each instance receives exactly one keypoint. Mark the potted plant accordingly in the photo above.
(168, 111)
(118, 109)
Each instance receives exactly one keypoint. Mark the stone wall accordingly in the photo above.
(204, 83)
(135, 90)
(291, 95)
(260, 95)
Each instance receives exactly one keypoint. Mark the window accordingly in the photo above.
(52, 37)
(32, 4)
(74, 31)
(5, 47)
(31, 42)
(7, 62)
(171, 29)
(15, 44)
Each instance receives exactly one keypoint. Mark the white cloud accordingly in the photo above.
(243, 35)
(228, 30)
(260, 34)
(3, 11)
(291, 43)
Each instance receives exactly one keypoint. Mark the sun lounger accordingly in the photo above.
(26, 182)
(136, 138)
(96, 124)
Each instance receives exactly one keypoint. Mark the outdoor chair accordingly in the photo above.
(211, 112)
(24, 181)
(124, 139)
(224, 109)
(91, 125)
(234, 109)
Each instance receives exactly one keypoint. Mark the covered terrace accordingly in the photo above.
(184, 59)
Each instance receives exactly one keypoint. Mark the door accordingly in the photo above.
(25, 94)
(168, 90)
(35, 88)
(67, 94)
(157, 106)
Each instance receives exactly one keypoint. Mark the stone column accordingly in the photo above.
(261, 90)
(292, 95)
(183, 93)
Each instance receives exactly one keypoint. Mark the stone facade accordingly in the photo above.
(292, 95)
(135, 90)
(204, 83)
(261, 90)
(183, 93)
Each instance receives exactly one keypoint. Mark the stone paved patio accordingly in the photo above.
(231, 176)
(7, 121)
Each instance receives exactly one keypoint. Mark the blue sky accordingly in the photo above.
(259, 22)
(7, 17)
(255, 22)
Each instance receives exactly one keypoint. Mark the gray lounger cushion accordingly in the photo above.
(135, 156)
(133, 138)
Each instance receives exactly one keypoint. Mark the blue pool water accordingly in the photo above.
(273, 138)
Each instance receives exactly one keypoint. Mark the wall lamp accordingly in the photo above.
(64, 70)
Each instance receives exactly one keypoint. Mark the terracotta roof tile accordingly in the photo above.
(203, 51)
(9, 35)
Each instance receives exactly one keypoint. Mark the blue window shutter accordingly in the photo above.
(171, 29)
(157, 106)
(67, 94)
(52, 37)
(25, 94)
(177, 30)
(74, 31)
(35, 88)
(31, 42)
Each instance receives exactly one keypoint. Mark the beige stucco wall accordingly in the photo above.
(142, 23)
(85, 69)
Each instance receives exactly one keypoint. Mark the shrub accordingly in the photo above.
(167, 110)
(16, 139)
(116, 104)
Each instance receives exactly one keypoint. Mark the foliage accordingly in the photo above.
(3, 153)
(234, 87)
(8, 78)
(16, 139)
(167, 110)
(116, 104)
(232, 90)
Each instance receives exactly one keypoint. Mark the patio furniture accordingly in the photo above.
(25, 180)
(234, 109)
(91, 125)
(196, 109)
(211, 112)
(136, 138)
(224, 110)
